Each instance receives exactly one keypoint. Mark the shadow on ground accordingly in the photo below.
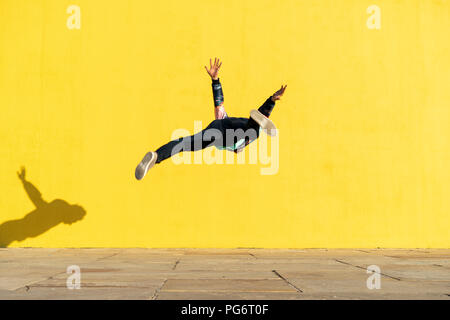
(46, 216)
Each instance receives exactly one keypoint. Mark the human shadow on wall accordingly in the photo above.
(46, 216)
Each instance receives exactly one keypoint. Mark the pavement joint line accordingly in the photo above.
(424, 280)
(228, 279)
(29, 285)
(359, 267)
(226, 291)
(285, 280)
(440, 265)
(108, 256)
(88, 285)
(156, 293)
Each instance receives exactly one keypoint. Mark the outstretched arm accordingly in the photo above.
(265, 109)
(219, 109)
(31, 190)
(269, 104)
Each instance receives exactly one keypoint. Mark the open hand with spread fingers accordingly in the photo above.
(214, 68)
(277, 95)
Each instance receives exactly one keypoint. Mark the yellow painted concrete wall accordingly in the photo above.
(364, 124)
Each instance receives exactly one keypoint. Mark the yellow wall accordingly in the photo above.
(364, 124)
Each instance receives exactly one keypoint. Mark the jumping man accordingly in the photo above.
(229, 133)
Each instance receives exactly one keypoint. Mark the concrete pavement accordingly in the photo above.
(34, 273)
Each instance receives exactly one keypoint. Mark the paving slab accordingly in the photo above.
(245, 273)
(89, 293)
(173, 274)
(211, 295)
(226, 285)
(119, 282)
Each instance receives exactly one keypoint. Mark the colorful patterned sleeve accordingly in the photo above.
(219, 110)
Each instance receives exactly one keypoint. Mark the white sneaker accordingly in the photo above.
(265, 123)
(146, 163)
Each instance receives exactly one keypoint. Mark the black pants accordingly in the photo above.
(220, 133)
